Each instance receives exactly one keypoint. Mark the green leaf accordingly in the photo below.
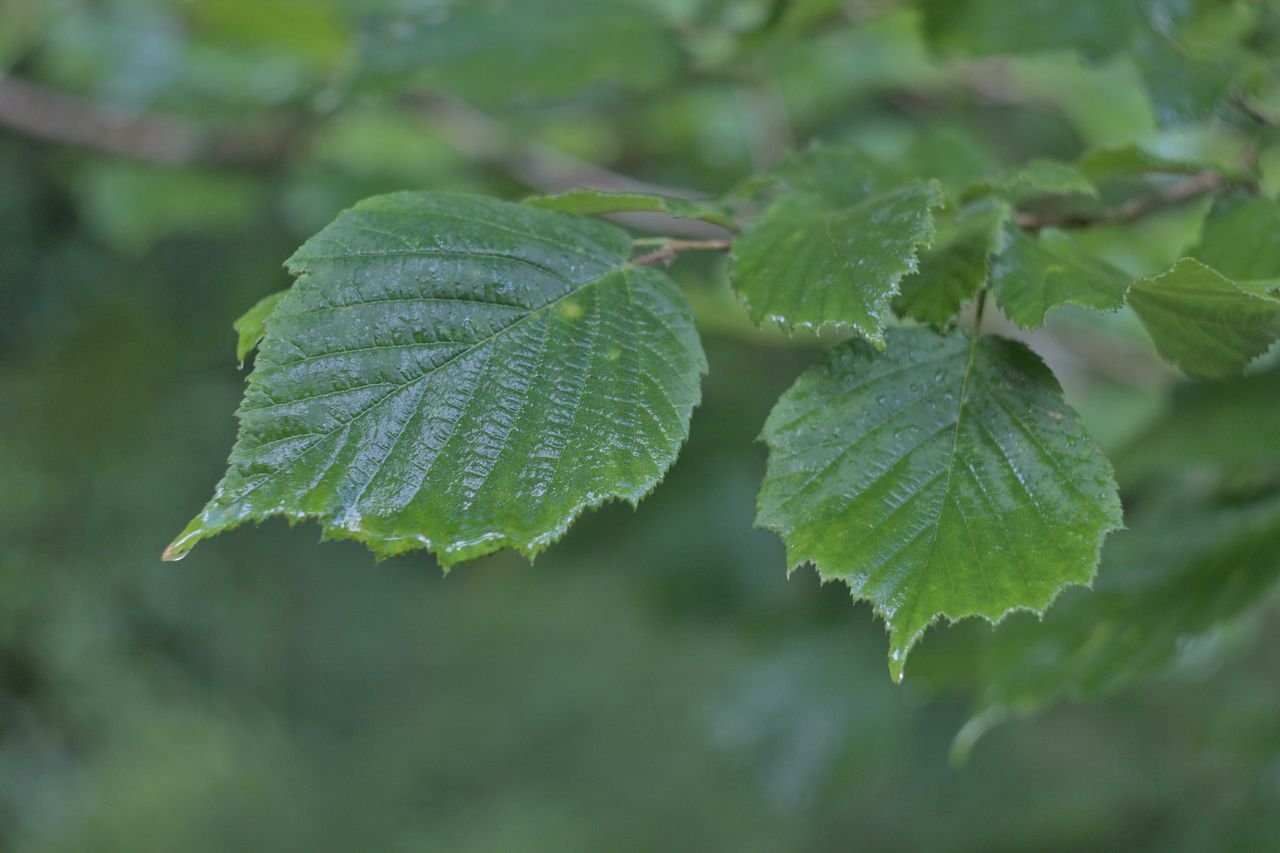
(808, 263)
(1241, 238)
(1110, 161)
(1202, 321)
(1036, 273)
(592, 202)
(951, 273)
(1037, 177)
(459, 374)
(496, 52)
(942, 477)
(251, 326)
(1201, 552)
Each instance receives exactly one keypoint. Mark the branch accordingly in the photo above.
(1176, 193)
(67, 119)
(543, 168)
(671, 248)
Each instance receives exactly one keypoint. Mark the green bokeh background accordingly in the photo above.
(653, 682)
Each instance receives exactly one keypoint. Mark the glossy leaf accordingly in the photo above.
(808, 263)
(459, 374)
(944, 477)
(1202, 321)
(1035, 273)
(951, 273)
(591, 202)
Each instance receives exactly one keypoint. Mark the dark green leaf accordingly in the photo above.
(943, 477)
(459, 374)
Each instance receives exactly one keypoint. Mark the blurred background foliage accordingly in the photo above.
(655, 681)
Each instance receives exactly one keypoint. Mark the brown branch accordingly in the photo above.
(66, 119)
(1192, 187)
(543, 168)
(671, 248)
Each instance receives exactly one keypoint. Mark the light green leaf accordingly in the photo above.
(496, 52)
(1037, 177)
(808, 263)
(1241, 238)
(1110, 161)
(951, 273)
(1202, 321)
(459, 374)
(1036, 273)
(943, 477)
(592, 202)
(251, 326)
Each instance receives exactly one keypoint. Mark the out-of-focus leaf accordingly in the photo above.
(459, 374)
(1035, 273)
(590, 202)
(942, 477)
(1241, 238)
(1202, 321)
(1037, 177)
(953, 270)
(499, 52)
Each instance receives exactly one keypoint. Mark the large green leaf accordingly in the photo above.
(459, 374)
(1037, 272)
(942, 477)
(811, 261)
(1202, 321)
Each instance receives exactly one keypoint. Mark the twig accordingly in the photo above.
(542, 167)
(1187, 189)
(671, 248)
(67, 119)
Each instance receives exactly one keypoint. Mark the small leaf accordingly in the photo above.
(1035, 273)
(943, 477)
(459, 374)
(251, 326)
(1111, 161)
(1202, 321)
(808, 263)
(1036, 178)
(593, 202)
(951, 273)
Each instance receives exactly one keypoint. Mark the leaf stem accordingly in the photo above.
(669, 248)
(977, 312)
